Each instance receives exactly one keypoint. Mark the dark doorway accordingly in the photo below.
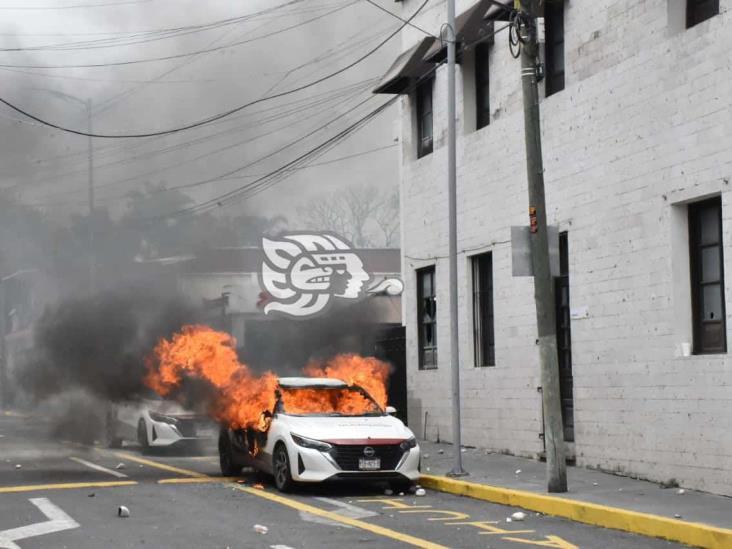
(564, 339)
(391, 347)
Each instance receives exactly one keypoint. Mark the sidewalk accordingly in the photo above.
(595, 497)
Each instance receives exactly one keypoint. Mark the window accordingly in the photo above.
(483, 340)
(700, 10)
(482, 85)
(427, 318)
(554, 46)
(707, 277)
(424, 118)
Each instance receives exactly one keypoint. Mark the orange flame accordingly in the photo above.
(242, 397)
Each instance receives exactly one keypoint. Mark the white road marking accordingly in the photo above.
(280, 547)
(58, 521)
(98, 467)
(346, 510)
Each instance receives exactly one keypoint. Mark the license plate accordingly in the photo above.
(369, 464)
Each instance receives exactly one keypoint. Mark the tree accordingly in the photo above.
(361, 213)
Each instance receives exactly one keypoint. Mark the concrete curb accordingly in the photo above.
(690, 533)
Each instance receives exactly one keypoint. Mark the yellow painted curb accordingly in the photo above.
(690, 533)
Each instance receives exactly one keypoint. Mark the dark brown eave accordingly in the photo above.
(471, 27)
(408, 68)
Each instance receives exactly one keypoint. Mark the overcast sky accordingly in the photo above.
(50, 167)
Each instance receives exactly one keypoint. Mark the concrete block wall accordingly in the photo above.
(640, 130)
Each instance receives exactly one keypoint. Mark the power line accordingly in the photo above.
(217, 150)
(224, 114)
(162, 34)
(76, 6)
(180, 55)
(271, 114)
(394, 15)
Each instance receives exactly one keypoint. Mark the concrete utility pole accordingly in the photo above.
(457, 469)
(92, 254)
(543, 282)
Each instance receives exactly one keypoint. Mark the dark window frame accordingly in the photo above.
(554, 59)
(427, 319)
(709, 334)
(698, 11)
(425, 117)
(484, 341)
(482, 85)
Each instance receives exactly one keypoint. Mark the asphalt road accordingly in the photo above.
(67, 495)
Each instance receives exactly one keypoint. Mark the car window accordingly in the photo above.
(327, 401)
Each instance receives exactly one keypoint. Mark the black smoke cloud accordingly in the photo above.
(99, 344)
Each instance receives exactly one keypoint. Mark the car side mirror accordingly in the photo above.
(391, 410)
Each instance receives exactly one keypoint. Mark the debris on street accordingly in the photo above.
(259, 486)
(420, 492)
(18, 466)
(120, 466)
(680, 491)
(518, 515)
(123, 511)
(518, 471)
(260, 529)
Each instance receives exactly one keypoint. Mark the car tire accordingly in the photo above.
(402, 486)
(142, 436)
(281, 469)
(227, 462)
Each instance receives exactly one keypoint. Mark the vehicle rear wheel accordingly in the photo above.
(142, 436)
(228, 465)
(281, 469)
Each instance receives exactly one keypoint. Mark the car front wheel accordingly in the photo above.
(226, 456)
(281, 469)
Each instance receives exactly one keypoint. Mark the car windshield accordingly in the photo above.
(327, 401)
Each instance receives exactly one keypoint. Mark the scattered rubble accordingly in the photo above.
(594, 484)
(681, 491)
(508, 519)
(518, 471)
(440, 451)
(425, 456)
(91, 495)
(420, 492)
(676, 515)
(401, 494)
(120, 466)
(123, 511)
(18, 466)
(518, 515)
(258, 486)
(259, 529)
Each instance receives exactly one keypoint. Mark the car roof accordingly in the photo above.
(320, 382)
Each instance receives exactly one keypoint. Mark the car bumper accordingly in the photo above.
(309, 465)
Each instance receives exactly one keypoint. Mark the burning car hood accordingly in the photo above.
(343, 430)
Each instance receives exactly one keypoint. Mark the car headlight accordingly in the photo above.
(161, 418)
(311, 443)
(407, 444)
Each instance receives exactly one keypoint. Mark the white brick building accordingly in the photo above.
(640, 130)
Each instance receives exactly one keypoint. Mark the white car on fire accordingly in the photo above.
(316, 447)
